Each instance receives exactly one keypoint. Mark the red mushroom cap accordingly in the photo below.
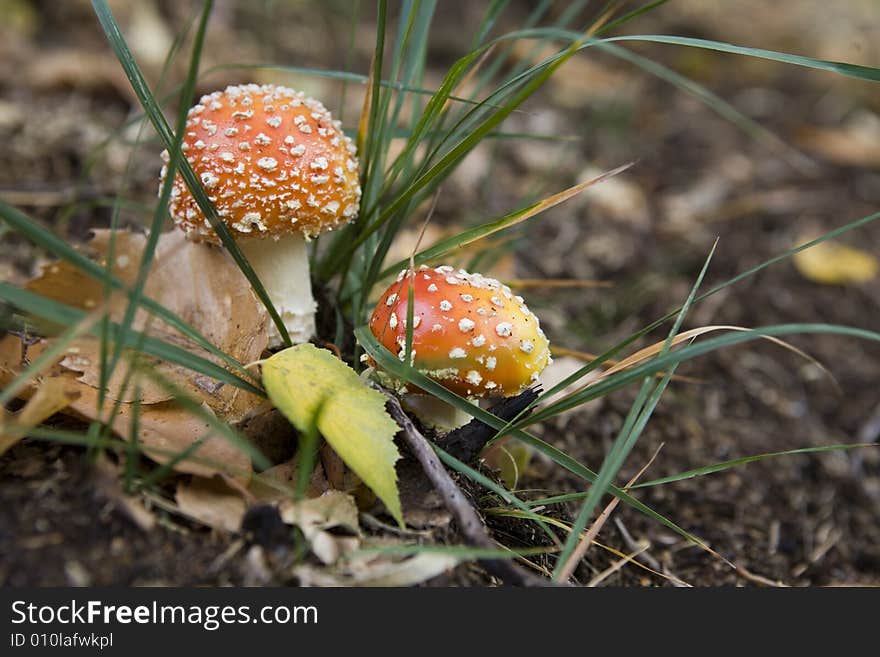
(470, 333)
(271, 160)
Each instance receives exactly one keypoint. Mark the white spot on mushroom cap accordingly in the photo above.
(267, 163)
(457, 352)
(526, 346)
(491, 361)
(479, 341)
(209, 180)
(473, 377)
(445, 305)
(465, 325)
(504, 329)
(432, 288)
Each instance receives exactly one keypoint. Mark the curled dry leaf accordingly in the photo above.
(378, 570)
(275, 484)
(856, 143)
(198, 283)
(50, 397)
(316, 517)
(107, 479)
(165, 428)
(211, 502)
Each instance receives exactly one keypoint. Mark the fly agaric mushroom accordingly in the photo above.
(470, 333)
(279, 170)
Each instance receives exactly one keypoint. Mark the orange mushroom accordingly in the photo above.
(279, 170)
(470, 333)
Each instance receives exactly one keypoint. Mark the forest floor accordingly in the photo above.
(809, 519)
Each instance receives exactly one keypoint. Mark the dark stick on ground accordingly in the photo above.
(465, 443)
(469, 522)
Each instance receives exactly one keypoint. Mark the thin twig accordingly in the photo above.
(743, 572)
(469, 522)
(660, 569)
(568, 569)
(613, 568)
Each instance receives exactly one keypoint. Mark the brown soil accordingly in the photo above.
(811, 519)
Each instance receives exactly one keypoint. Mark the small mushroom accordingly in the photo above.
(470, 333)
(279, 170)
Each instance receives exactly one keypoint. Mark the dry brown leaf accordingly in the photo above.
(856, 143)
(620, 198)
(832, 263)
(107, 479)
(165, 428)
(378, 571)
(199, 283)
(314, 517)
(51, 396)
(560, 369)
(212, 502)
(275, 484)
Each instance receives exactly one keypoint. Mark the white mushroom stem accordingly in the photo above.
(282, 265)
(434, 412)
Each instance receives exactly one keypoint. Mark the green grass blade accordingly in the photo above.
(717, 104)
(161, 212)
(733, 463)
(660, 363)
(157, 118)
(464, 469)
(632, 15)
(707, 470)
(65, 315)
(403, 372)
(196, 407)
(47, 240)
(857, 71)
(519, 215)
(620, 346)
(636, 420)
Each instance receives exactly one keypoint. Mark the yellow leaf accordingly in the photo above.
(830, 263)
(311, 387)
